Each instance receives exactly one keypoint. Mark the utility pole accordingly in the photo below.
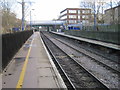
(111, 3)
(94, 16)
(30, 21)
(112, 12)
(102, 13)
(23, 14)
(102, 3)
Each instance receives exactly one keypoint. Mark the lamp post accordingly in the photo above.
(31, 19)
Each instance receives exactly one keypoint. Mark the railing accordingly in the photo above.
(11, 43)
(111, 37)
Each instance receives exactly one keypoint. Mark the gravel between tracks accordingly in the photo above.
(109, 78)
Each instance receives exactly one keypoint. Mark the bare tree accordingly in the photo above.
(94, 6)
(9, 19)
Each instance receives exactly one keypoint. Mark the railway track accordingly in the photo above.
(108, 54)
(114, 66)
(77, 75)
(112, 73)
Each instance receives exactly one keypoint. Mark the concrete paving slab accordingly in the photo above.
(31, 74)
(45, 72)
(47, 82)
(43, 65)
(11, 76)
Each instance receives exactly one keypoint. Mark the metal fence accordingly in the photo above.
(11, 43)
(108, 28)
(111, 37)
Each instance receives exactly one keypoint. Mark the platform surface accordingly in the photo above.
(40, 71)
(109, 45)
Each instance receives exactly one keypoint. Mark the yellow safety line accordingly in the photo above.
(22, 74)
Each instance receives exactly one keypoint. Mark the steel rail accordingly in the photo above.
(71, 86)
(89, 73)
(115, 70)
(87, 49)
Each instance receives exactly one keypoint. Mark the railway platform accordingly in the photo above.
(109, 45)
(32, 67)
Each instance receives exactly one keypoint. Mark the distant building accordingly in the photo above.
(112, 15)
(76, 15)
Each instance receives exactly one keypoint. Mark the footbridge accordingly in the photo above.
(46, 25)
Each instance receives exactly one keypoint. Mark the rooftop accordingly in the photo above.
(113, 8)
(75, 9)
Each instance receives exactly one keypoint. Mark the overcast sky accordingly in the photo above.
(47, 9)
